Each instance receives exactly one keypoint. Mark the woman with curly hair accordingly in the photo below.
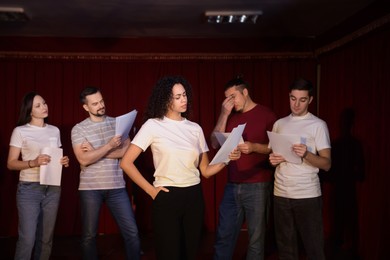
(180, 155)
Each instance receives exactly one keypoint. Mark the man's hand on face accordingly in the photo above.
(228, 104)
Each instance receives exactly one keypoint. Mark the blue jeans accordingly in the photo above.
(243, 201)
(303, 217)
(117, 200)
(37, 210)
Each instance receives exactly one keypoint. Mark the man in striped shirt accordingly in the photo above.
(98, 151)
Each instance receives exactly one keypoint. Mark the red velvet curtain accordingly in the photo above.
(353, 77)
(355, 80)
(126, 85)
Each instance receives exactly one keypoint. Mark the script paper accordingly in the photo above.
(221, 137)
(50, 174)
(228, 146)
(124, 124)
(282, 144)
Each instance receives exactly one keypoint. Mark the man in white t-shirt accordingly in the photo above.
(297, 191)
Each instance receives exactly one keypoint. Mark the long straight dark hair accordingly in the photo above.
(26, 108)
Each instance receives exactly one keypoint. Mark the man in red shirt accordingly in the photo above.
(247, 192)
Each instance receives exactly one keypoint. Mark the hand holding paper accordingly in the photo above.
(50, 174)
(228, 145)
(282, 144)
(124, 124)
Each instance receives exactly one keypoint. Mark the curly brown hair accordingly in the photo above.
(161, 97)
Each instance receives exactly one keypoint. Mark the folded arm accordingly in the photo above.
(86, 154)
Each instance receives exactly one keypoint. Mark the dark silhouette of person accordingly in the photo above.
(347, 170)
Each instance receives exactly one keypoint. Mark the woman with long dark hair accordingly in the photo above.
(37, 204)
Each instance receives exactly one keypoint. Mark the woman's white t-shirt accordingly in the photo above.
(176, 147)
(31, 139)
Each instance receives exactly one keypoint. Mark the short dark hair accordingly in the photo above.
(162, 95)
(89, 90)
(237, 82)
(302, 84)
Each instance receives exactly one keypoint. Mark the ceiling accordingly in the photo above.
(176, 18)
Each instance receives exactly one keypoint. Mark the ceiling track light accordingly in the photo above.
(13, 14)
(230, 17)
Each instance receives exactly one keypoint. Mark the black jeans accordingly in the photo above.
(177, 218)
(303, 217)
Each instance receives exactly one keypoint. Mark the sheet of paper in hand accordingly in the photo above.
(124, 124)
(221, 137)
(228, 145)
(282, 144)
(50, 174)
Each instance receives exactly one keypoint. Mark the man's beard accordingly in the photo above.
(99, 115)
